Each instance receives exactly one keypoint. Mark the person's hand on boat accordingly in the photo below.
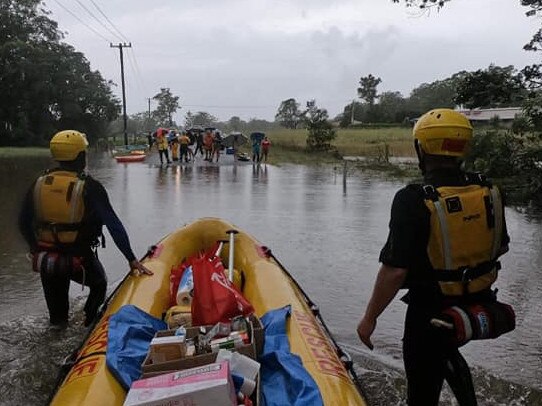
(139, 268)
(366, 327)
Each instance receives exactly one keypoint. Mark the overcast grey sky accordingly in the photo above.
(243, 57)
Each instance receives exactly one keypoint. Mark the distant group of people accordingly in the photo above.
(186, 145)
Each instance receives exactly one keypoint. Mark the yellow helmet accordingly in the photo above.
(443, 132)
(66, 145)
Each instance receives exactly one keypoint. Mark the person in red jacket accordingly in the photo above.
(265, 148)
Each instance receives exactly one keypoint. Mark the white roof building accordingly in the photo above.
(505, 113)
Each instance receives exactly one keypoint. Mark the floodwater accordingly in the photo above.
(327, 237)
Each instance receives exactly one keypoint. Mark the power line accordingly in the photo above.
(133, 63)
(109, 21)
(139, 81)
(97, 19)
(132, 60)
(81, 21)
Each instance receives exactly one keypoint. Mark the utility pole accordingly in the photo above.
(149, 124)
(352, 117)
(125, 119)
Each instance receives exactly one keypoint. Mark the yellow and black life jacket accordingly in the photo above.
(59, 208)
(466, 227)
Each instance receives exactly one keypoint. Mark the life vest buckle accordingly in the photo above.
(430, 192)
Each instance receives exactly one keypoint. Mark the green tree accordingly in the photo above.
(288, 114)
(45, 84)
(235, 123)
(204, 119)
(168, 104)
(439, 93)
(367, 90)
(352, 112)
(492, 87)
(321, 131)
(392, 107)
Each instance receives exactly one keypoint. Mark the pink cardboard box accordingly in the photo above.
(206, 385)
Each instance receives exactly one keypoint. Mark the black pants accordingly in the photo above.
(429, 359)
(56, 289)
(199, 147)
(164, 152)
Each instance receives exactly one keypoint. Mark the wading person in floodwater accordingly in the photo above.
(61, 220)
(162, 143)
(265, 148)
(445, 237)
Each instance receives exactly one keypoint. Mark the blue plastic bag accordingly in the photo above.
(129, 335)
(284, 379)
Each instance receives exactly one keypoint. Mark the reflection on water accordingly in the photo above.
(328, 239)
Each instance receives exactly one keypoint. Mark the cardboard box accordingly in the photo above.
(250, 350)
(207, 385)
(166, 348)
(258, 334)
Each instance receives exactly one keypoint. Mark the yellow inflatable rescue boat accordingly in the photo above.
(267, 286)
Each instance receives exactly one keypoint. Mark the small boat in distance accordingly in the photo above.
(131, 158)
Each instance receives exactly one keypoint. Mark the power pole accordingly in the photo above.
(352, 117)
(125, 119)
(149, 102)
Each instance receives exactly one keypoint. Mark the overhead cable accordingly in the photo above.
(109, 21)
(99, 21)
(81, 21)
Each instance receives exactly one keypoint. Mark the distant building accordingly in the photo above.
(485, 115)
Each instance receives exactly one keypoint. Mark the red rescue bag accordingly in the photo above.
(216, 299)
(479, 321)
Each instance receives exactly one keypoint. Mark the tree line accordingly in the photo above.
(492, 87)
(46, 85)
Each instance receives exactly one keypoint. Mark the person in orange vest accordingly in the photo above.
(184, 140)
(161, 141)
(208, 140)
(174, 146)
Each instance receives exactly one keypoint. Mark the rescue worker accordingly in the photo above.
(61, 220)
(174, 145)
(445, 237)
(184, 141)
(162, 143)
(208, 140)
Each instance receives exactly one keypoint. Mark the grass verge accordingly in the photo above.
(23, 152)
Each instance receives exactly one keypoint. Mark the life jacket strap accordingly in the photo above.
(430, 192)
(59, 227)
(467, 274)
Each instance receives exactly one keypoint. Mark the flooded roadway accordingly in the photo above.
(329, 240)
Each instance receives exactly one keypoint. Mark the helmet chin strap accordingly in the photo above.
(77, 165)
(420, 154)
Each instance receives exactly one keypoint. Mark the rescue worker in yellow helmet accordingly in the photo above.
(445, 236)
(61, 220)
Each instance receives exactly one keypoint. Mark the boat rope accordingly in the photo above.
(345, 358)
